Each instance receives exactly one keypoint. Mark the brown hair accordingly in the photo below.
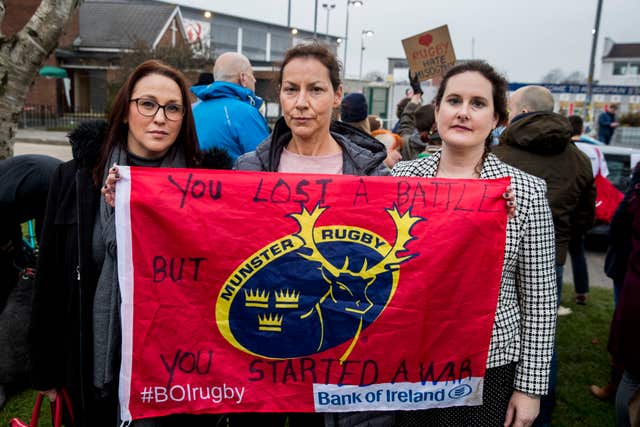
(316, 51)
(498, 84)
(117, 129)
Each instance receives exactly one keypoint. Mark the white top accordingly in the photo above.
(297, 163)
(595, 155)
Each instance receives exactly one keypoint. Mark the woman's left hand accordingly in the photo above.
(522, 410)
(510, 197)
(109, 188)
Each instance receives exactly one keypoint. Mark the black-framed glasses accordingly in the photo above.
(149, 108)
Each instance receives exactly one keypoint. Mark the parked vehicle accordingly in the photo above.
(620, 162)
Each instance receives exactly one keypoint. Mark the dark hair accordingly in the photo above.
(425, 117)
(401, 106)
(374, 122)
(576, 124)
(316, 51)
(498, 84)
(117, 129)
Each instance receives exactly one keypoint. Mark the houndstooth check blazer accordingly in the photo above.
(525, 321)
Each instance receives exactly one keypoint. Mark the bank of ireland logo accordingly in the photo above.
(314, 289)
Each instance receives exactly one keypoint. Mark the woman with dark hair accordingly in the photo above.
(470, 103)
(75, 327)
(305, 139)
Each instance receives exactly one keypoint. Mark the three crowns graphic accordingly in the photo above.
(284, 299)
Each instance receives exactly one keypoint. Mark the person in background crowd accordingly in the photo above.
(576, 243)
(204, 79)
(598, 162)
(616, 264)
(470, 102)
(399, 109)
(607, 124)
(228, 116)
(538, 142)
(305, 140)
(354, 110)
(374, 122)
(417, 123)
(24, 182)
(393, 142)
(75, 326)
(624, 345)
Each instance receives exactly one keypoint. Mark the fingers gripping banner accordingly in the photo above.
(250, 292)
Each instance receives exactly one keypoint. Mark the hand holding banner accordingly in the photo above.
(251, 292)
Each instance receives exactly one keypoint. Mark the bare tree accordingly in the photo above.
(374, 76)
(554, 76)
(575, 77)
(21, 56)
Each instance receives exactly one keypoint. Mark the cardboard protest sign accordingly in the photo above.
(253, 292)
(430, 54)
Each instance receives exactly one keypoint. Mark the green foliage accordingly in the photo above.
(630, 119)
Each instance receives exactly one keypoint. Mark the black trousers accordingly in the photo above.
(496, 393)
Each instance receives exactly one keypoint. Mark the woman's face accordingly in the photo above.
(466, 114)
(307, 97)
(151, 137)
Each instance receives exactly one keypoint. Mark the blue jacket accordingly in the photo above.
(228, 118)
(605, 131)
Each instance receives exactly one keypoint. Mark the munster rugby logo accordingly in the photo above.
(313, 290)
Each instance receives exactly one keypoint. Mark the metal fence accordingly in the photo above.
(48, 117)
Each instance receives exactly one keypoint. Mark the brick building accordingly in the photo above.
(100, 31)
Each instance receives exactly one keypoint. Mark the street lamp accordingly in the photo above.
(356, 3)
(365, 33)
(329, 7)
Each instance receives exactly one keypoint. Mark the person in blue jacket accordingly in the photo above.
(607, 124)
(228, 115)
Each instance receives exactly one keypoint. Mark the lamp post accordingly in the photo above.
(592, 63)
(355, 3)
(365, 33)
(329, 7)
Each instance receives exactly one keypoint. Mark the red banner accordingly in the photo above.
(250, 292)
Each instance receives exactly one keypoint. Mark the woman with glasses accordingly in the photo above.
(75, 330)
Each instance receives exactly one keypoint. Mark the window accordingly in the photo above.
(626, 68)
(619, 68)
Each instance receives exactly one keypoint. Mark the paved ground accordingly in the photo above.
(595, 264)
(58, 151)
(34, 141)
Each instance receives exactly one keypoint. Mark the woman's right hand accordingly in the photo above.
(109, 188)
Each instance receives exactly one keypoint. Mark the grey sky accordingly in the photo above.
(523, 38)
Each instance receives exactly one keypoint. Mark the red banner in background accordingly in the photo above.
(250, 292)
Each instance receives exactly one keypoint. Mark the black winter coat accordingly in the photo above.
(60, 335)
(540, 144)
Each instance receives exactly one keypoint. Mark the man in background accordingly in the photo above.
(228, 115)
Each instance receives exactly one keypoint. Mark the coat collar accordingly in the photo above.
(491, 168)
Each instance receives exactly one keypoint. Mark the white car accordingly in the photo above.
(620, 161)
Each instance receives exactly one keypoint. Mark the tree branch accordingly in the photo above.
(2, 11)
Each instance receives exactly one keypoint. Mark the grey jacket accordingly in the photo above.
(361, 153)
(413, 144)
